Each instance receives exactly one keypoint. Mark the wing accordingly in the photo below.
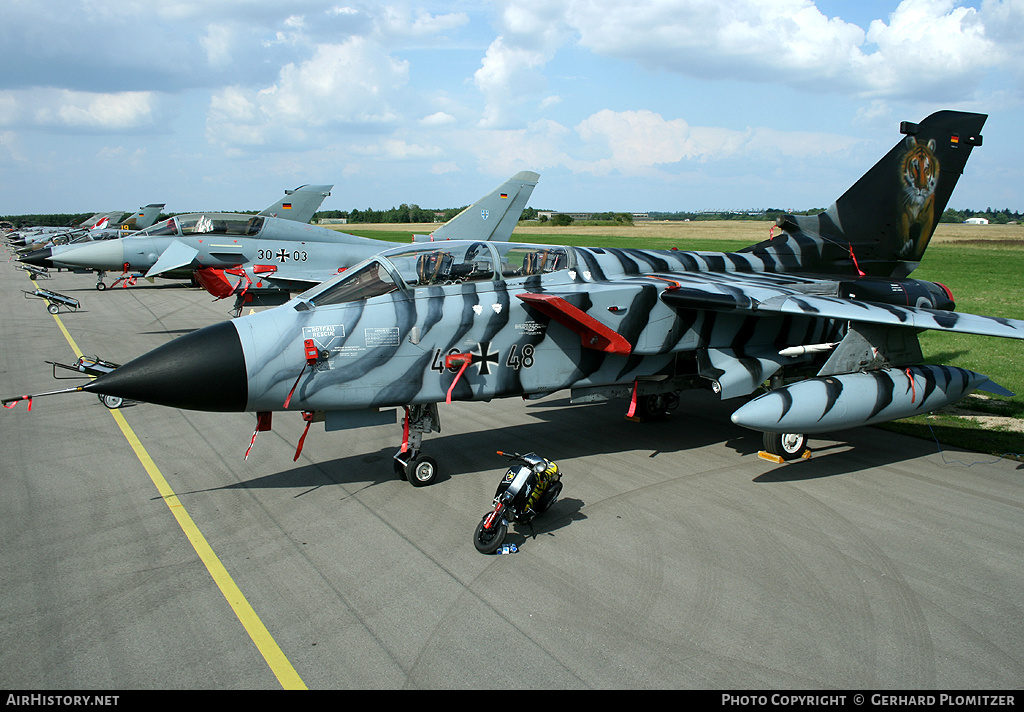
(176, 256)
(297, 279)
(749, 294)
(911, 317)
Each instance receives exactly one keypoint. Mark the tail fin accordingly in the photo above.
(882, 224)
(89, 222)
(144, 218)
(300, 204)
(100, 220)
(494, 216)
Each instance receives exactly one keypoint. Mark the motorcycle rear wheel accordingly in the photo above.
(488, 541)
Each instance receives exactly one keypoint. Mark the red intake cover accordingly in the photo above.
(214, 282)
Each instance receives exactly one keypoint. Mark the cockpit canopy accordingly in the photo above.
(439, 263)
(206, 223)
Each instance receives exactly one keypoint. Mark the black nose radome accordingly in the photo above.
(38, 258)
(204, 370)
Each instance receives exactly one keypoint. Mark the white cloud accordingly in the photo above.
(932, 48)
(217, 42)
(10, 148)
(354, 83)
(703, 38)
(63, 108)
(642, 143)
(439, 169)
(506, 74)
(540, 145)
(634, 142)
(439, 118)
(400, 21)
(532, 31)
(107, 111)
(592, 88)
(402, 150)
(925, 46)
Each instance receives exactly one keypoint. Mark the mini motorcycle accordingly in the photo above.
(530, 486)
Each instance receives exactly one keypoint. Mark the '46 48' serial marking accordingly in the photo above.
(517, 358)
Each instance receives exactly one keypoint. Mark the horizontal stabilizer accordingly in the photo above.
(990, 386)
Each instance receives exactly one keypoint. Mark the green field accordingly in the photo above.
(982, 266)
(985, 279)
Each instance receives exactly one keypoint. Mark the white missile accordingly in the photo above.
(818, 405)
(794, 351)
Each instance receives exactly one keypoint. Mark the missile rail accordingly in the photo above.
(91, 366)
(35, 272)
(54, 300)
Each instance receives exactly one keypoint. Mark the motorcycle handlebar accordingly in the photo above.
(525, 459)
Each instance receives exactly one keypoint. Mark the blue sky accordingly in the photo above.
(626, 106)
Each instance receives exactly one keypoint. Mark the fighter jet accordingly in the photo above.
(34, 236)
(139, 220)
(261, 260)
(99, 226)
(300, 208)
(823, 313)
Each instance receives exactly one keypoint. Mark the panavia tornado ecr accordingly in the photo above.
(823, 313)
(261, 260)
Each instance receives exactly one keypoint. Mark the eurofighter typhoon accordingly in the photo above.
(824, 313)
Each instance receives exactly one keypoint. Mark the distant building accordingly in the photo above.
(585, 216)
(975, 221)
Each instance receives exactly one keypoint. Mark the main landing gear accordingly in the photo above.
(783, 447)
(787, 446)
(410, 463)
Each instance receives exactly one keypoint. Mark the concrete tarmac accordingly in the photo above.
(676, 557)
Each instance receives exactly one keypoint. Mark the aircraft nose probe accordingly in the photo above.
(204, 370)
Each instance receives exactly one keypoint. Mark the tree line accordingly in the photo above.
(996, 217)
(406, 213)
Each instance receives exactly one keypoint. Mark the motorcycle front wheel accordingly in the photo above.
(487, 541)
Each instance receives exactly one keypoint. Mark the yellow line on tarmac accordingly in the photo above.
(279, 664)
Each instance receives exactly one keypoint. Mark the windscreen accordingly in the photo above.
(370, 280)
(439, 264)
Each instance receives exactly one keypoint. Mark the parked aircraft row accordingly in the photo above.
(97, 227)
(823, 315)
(33, 243)
(260, 260)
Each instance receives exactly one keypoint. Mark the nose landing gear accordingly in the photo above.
(410, 463)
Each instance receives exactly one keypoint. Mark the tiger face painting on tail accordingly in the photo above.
(919, 171)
